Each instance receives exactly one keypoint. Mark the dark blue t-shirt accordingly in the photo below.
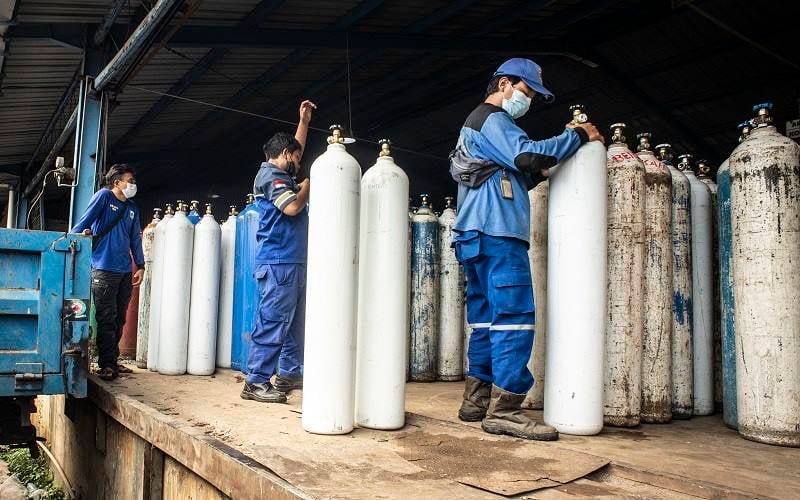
(281, 238)
(114, 250)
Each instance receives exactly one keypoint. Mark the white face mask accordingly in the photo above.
(518, 105)
(130, 190)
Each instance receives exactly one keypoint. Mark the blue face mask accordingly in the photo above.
(518, 105)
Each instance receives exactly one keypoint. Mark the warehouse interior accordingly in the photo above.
(687, 71)
(188, 91)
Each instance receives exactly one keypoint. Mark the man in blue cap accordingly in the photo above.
(491, 241)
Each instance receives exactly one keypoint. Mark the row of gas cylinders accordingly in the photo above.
(689, 287)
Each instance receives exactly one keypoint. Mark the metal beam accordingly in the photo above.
(273, 72)
(231, 38)
(109, 19)
(254, 18)
(137, 45)
(89, 156)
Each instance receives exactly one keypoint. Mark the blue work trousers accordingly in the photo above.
(500, 309)
(277, 340)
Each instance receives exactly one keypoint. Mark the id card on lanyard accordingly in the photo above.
(506, 187)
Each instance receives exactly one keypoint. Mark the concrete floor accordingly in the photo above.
(437, 456)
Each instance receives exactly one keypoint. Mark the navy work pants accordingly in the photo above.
(276, 345)
(500, 309)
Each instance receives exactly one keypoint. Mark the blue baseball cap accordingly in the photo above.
(529, 72)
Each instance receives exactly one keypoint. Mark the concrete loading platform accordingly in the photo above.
(193, 437)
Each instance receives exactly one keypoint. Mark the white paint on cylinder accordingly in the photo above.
(576, 292)
(143, 318)
(658, 287)
(715, 296)
(331, 293)
(173, 341)
(424, 295)
(203, 314)
(702, 298)
(682, 351)
(537, 256)
(451, 303)
(226, 277)
(382, 297)
(159, 248)
(765, 203)
(625, 321)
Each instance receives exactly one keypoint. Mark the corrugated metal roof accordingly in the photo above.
(670, 71)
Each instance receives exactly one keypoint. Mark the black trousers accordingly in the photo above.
(111, 292)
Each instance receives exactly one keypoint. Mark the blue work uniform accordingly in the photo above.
(491, 234)
(281, 249)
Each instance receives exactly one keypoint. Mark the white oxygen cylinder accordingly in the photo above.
(331, 291)
(176, 290)
(154, 321)
(702, 291)
(682, 352)
(765, 215)
(227, 257)
(451, 301)
(576, 290)
(537, 256)
(143, 318)
(204, 310)
(626, 268)
(382, 296)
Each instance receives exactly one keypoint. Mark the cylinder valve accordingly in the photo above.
(763, 114)
(703, 169)
(578, 115)
(744, 130)
(232, 211)
(250, 198)
(665, 153)
(685, 163)
(385, 144)
(448, 202)
(208, 209)
(644, 141)
(618, 134)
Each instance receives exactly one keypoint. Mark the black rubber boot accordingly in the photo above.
(476, 400)
(263, 393)
(286, 384)
(505, 416)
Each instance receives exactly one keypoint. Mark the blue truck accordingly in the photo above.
(44, 324)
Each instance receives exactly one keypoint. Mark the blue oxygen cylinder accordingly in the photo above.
(245, 290)
(727, 303)
(194, 212)
(424, 293)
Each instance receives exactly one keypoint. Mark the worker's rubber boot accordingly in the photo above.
(505, 416)
(263, 393)
(286, 384)
(476, 400)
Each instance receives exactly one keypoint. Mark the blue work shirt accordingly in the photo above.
(490, 133)
(114, 250)
(281, 238)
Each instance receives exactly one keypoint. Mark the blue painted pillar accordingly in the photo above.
(89, 137)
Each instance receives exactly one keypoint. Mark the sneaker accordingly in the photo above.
(263, 393)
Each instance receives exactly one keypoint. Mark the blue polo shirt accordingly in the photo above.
(114, 250)
(490, 133)
(281, 238)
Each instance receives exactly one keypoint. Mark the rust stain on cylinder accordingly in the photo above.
(626, 253)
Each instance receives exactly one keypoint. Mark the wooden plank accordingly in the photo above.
(225, 468)
(181, 483)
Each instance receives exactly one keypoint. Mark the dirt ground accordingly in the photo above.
(437, 456)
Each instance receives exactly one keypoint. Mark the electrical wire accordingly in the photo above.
(36, 200)
(272, 118)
